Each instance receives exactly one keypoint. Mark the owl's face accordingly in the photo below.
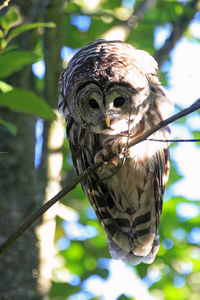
(107, 86)
(107, 110)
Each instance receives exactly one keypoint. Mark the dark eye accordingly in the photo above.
(119, 101)
(93, 103)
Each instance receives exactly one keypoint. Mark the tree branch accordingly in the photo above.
(141, 9)
(4, 4)
(72, 184)
(185, 112)
(179, 28)
(175, 140)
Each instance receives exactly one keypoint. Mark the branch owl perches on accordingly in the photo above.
(110, 94)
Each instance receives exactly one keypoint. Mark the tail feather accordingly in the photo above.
(129, 257)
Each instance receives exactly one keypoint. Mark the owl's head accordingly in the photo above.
(108, 86)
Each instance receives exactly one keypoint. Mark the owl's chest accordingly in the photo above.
(131, 185)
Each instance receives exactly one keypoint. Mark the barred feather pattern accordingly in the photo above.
(127, 192)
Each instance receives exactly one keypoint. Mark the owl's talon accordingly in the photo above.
(116, 148)
(110, 166)
(101, 156)
(119, 147)
(126, 153)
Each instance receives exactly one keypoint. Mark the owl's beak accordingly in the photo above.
(107, 120)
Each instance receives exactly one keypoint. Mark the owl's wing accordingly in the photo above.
(84, 146)
(161, 175)
(144, 237)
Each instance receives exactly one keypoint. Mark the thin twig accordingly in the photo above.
(72, 184)
(40, 211)
(183, 113)
(4, 4)
(175, 140)
(179, 26)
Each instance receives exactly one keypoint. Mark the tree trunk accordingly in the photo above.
(22, 188)
(18, 268)
(18, 192)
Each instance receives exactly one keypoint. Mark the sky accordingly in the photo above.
(183, 90)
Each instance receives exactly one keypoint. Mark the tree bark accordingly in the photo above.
(22, 187)
(18, 184)
(18, 268)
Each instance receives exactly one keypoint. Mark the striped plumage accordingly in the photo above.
(110, 94)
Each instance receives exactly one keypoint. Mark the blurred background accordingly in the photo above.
(64, 254)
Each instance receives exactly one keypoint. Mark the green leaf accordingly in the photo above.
(1, 34)
(111, 4)
(196, 135)
(27, 102)
(61, 290)
(22, 28)
(10, 48)
(12, 128)
(10, 19)
(4, 87)
(174, 174)
(13, 61)
(123, 297)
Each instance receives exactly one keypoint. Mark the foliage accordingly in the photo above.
(13, 60)
(10, 27)
(81, 252)
(20, 99)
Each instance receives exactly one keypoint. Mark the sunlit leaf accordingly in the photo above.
(27, 102)
(13, 61)
(1, 34)
(4, 87)
(25, 27)
(196, 135)
(10, 19)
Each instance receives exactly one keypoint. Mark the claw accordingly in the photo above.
(101, 156)
(115, 160)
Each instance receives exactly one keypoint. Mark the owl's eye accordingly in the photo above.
(93, 103)
(119, 101)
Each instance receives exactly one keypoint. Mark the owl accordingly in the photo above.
(110, 94)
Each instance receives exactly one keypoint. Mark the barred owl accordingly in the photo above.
(110, 94)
